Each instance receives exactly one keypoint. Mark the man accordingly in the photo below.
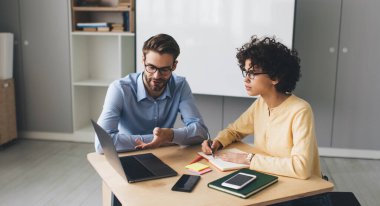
(140, 109)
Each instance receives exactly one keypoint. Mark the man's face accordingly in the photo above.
(158, 70)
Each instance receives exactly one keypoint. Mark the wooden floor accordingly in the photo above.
(57, 173)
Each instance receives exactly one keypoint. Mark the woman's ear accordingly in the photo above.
(274, 82)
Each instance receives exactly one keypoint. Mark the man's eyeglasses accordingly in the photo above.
(163, 70)
(250, 73)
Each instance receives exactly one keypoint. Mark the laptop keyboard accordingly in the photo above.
(134, 169)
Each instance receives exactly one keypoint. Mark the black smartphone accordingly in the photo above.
(186, 183)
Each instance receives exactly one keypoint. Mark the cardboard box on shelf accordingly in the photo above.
(8, 129)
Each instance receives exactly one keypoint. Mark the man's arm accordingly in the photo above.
(109, 121)
(194, 130)
(124, 142)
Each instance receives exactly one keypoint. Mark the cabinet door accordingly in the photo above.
(357, 114)
(46, 65)
(316, 38)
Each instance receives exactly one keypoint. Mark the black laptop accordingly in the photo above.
(133, 168)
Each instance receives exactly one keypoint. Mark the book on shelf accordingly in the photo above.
(109, 3)
(103, 29)
(87, 2)
(89, 29)
(221, 164)
(261, 182)
(117, 29)
(117, 25)
(126, 20)
(92, 24)
(125, 3)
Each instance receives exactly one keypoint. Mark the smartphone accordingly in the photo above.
(239, 180)
(186, 183)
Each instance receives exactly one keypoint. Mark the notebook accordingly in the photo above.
(133, 168)
(224, 165)
(261, 182)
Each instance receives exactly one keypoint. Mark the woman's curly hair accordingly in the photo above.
(273, 58)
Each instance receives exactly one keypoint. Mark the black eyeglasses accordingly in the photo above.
(250, 73)
(163, 70)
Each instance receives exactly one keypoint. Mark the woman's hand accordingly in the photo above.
(214, 146)
(240, 158)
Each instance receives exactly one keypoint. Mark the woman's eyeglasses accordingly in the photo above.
(250, 73)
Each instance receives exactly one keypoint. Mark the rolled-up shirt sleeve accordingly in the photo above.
(194, 130)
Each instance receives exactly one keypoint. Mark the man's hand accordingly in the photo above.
(160, 136)
(240, 158)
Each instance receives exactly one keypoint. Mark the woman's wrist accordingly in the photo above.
(249, 157)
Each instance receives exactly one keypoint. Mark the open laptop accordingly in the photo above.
(133, 168)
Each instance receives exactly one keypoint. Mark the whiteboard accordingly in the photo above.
(209, 32)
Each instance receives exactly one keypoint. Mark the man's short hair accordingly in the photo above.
(162, 44)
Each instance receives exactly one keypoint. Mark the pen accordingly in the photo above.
(209, 141)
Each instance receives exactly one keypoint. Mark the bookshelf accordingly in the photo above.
(97, 59)
(90, 11)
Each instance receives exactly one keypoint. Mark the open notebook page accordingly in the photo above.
(224, 165)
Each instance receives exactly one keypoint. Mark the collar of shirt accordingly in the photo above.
(282, 106)
(142, 94)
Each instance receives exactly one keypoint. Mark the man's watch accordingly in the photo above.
(249, 157)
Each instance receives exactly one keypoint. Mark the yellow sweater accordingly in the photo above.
(285, 133)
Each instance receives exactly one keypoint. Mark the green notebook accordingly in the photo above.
(262, 181)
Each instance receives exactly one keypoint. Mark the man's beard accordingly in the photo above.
(156, 84)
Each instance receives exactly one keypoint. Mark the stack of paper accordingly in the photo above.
(198, 168)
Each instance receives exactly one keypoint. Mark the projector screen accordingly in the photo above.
(209, 32)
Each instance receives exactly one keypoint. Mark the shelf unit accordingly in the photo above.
(97, 59)
(107, 14)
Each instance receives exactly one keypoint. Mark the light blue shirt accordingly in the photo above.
(130, 113)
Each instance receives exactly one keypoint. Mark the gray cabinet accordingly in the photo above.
(356, 113)
(46, 65)
(338, 44)
(316, 38)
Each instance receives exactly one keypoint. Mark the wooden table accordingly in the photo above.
(158, 192)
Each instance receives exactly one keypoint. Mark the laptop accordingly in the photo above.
(133, 168)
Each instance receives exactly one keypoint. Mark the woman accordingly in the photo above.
(282, 124)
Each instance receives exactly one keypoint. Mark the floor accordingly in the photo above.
(48, 173)
(36, 172)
